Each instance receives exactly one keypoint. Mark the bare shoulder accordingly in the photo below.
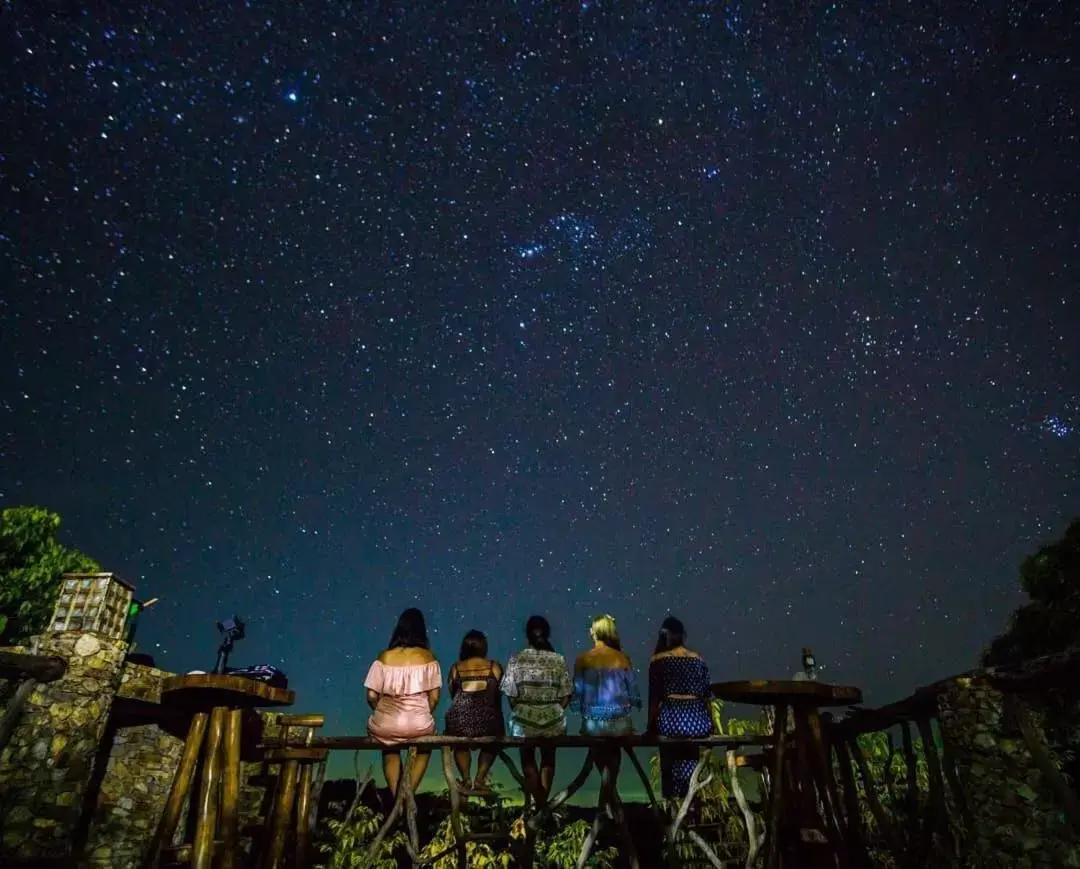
(406, 657)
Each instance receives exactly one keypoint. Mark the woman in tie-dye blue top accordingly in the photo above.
(605, 693)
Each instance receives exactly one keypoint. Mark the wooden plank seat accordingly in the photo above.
(537, 810)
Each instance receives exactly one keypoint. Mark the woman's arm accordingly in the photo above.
(576, 701)
(372, 698)
(654, 699)
(433, 698)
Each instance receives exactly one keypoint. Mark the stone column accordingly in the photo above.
(1016, 822)
(47, 766)
(142, 762)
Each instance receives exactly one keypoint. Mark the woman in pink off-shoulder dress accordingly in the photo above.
(403, 689)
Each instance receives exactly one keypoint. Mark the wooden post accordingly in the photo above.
(303, 814)
(181, 787)
(202, 856)
(284, 797)
(230, 796)
(884, 825)
(776, 798)
(854, 822)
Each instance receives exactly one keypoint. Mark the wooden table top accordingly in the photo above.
(769, 692)
(204, 691)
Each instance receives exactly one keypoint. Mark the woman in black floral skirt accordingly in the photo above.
(475, 707)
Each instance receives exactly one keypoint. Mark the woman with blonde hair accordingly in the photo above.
(605, 691)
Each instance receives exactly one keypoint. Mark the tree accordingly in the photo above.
(31, 564)
(1050, 621)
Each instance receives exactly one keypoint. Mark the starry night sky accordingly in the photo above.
(762, 314)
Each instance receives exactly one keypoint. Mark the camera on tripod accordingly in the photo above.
(231, 630)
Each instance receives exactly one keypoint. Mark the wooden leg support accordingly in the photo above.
(230, 793)
(776, 798)
(202, 856)
(303, 815)
(178, 794)
(284, 798)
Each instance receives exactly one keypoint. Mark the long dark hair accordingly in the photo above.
(474, 645)
(538, 633)
(672, 635)
(410, 632)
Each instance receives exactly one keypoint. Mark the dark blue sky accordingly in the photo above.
(762, 314)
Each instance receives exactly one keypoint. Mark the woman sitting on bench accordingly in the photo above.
(403, 688)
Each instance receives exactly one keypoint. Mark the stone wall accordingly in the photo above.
(1015, 820)
(141, 759)
(46, 768)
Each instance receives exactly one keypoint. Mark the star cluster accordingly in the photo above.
(763, 314)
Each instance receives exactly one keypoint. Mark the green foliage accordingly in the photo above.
(479, 854)
(561, 851)
(31, 563)
(351, 837)
(1050, 621)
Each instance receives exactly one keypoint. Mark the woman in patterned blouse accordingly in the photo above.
(537, 684)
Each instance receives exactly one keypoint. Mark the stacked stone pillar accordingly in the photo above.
(1014, 818)
(47, 767)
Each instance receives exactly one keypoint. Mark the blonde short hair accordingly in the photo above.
(603, 629)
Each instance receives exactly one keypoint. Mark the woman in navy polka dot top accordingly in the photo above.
(678, 704)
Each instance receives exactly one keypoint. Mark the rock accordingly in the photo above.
(87, 645)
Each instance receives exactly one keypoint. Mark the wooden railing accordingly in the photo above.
(916, 821)
(537, 808)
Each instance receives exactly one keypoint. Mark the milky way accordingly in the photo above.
(766, 315)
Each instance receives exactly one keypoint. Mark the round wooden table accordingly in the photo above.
(216, 704)
(805, 826)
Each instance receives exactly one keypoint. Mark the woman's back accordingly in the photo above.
(538, 685)
(475, 675)
(678, 673)
(406, 680)
(605, 685)
(476, 707)
(401, 672)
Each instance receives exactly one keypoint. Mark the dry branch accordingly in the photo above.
(696, 784)
(455, 807)
(744, 807)
(387, 825)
